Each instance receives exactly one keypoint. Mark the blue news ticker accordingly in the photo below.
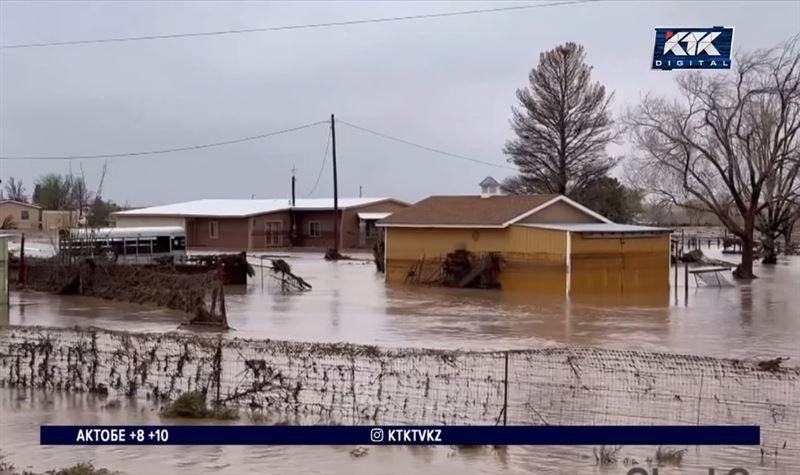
(399, 435)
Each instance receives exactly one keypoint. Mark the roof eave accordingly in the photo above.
(447, 226)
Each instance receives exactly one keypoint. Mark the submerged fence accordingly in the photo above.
(357, 384)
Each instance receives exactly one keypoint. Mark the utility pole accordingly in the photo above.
(294, 180)
(335, 192)
(360, 188)
(292, 223)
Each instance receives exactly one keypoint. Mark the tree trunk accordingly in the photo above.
(745, 269)
(770, 250)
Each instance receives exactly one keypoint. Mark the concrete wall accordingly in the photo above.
(18, 212)
(144, 221)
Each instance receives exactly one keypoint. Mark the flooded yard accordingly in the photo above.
(24, 411)
(350, 303)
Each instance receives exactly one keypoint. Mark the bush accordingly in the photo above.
(193, 405)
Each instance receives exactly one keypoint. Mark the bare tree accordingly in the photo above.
(15, 190)
(562, 125)
(781, 206)
(729, 145)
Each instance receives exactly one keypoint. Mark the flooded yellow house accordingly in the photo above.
(546, 243)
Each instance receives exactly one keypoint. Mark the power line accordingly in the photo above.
(322, 167)
(425, 147)
(295, 27)
(168, 150)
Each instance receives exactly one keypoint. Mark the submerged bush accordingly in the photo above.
(83, 468)
(193, 405)
(669, 456)
(606, 455)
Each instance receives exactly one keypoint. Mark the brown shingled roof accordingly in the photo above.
(492, 211)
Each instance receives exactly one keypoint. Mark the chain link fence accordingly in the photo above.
(325, 383)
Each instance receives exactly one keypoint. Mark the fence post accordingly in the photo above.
(505, 393)
(353, 386)
(686, 283)
(218, 369)
(21, 270)
(675, 249)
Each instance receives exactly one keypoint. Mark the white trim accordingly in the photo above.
(569, 262)
(585, 209)
(373, 215)
(555, 200)
(531, 211)
(444, 226)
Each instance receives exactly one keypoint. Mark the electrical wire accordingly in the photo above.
(168, 150)
(424, 147)
(322, 167)
(294, 27)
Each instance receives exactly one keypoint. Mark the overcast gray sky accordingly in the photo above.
(447, 83)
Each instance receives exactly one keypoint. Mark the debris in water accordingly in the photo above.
(333, 255)
(606, 455)
(771, 365)
(669, 456)
(359, 451)
(289, 281)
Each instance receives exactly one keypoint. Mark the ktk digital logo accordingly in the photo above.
(693, 48)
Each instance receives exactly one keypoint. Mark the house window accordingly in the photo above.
(213, 230)
(314, 229)
(23, 215)
(372, 230)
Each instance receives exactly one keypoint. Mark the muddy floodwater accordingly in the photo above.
(349, 302)
(24, 411)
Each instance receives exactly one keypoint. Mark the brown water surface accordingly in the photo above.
(24, 411)
(349, 302)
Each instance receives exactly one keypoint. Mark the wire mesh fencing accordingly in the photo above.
(326, 383)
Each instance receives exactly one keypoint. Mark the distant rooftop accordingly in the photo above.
(23, 203)
(493, 211)
(238, 208)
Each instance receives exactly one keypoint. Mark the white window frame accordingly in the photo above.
(24, 215)
(311, 229)
(268, 234)
(213, 229)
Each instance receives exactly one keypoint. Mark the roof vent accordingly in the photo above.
(489, 187)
